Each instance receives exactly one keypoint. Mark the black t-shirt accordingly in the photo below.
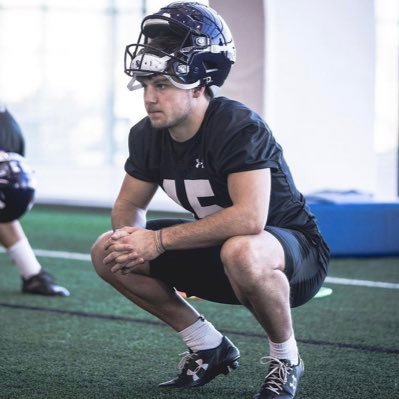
(232, 138)
(11, 138)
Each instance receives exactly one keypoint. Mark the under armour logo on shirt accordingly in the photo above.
(200, 164)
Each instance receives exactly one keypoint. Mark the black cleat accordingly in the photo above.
(281, 380)
(43, 284)
(198, 368)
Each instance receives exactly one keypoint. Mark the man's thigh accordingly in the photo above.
(200, 272)
(197, 272)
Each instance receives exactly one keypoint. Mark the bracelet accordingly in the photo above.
(158, 244)
(161, 241)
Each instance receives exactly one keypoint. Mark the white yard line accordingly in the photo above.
(62, 254)
(59, 254)
(330, 280)
(361, 283)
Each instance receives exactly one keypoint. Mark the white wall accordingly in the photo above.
(247, 24)
(319, 69)
(320, 90)
(92, 187)
(387, 97)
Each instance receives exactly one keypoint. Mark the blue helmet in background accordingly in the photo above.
(204, 53)
(17, 186)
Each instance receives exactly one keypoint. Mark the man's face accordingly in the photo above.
(167, 106)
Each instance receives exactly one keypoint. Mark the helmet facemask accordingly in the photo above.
(150, 59)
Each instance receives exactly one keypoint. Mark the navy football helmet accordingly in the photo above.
(17, 186)
(203, 56)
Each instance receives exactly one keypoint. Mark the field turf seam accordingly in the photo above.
(339, 345)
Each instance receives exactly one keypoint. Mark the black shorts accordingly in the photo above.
(200, 272)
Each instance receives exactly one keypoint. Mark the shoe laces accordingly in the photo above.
(277, 375)
(185, 359)
(191, 359)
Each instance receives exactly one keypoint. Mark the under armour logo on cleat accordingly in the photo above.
(201, 366)
(294, 382)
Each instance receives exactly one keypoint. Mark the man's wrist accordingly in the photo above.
(158, 242)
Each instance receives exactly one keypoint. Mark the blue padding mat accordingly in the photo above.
(358, 229)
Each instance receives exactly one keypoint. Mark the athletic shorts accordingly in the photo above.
(200, 272)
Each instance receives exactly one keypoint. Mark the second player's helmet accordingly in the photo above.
(17, 186)
(202, 54)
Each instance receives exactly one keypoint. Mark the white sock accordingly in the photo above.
(21, 253)
(285, 350)
(201, 335)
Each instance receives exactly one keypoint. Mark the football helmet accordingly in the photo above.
(17, 186)
(203, 56)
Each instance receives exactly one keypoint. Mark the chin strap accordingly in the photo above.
(133, 84)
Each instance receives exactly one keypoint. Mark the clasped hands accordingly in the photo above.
(129, 247)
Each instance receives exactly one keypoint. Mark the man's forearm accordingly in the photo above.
(126, 215)
(210, 231)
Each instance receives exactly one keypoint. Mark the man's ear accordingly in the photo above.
(198, 91)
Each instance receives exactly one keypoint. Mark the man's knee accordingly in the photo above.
(236, 251)
(98, 254)
(256, 256)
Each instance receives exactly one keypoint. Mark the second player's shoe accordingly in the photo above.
(198, 368)
(43, 284)
(282, 379)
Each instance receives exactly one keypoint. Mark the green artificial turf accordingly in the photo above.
(96, 344)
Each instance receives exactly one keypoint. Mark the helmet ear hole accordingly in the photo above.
(209, 65)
